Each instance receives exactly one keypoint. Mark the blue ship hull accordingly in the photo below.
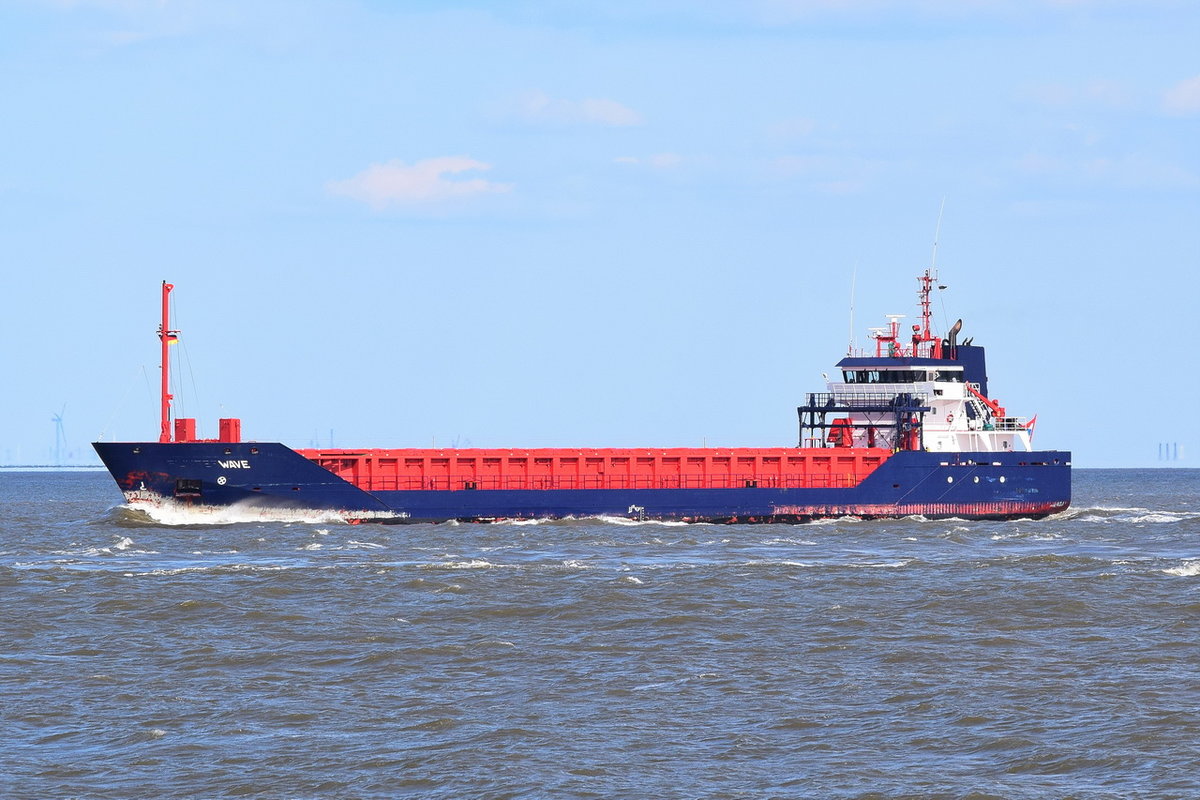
(271, 476)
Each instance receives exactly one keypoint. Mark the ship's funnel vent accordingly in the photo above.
(952, 336)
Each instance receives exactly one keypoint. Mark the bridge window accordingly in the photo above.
(885, 375)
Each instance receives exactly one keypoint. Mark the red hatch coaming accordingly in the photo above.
(607, 468)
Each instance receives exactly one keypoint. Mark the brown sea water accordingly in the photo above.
(601, 658)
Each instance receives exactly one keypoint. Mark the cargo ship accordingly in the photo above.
(908, 427)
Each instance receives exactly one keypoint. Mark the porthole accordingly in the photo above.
(977, 479)
(1002, 479)
(949, 479)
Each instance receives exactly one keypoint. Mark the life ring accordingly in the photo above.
(949, 418)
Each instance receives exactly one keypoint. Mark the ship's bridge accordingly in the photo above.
(936, 404)
(915, 391)
(963, 363)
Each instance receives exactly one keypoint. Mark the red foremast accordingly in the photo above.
(184, 429)
(166, 338)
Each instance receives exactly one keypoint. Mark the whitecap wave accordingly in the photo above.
(1160, 517)
(1039, 536)
(122, 545)
(1122, 514)
(614, 520)
(1188, 569)
(170, 513)
(219, 568)
(607, 519)
(474, 563)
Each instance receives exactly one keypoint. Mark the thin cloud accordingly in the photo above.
(796, 10)
(1132, 171)
(1096, 94)
(537, 106)
(134, 22)
(127, 6)
(427, 182)
(827, 174)
(794, 128)
(656, 161)
(1184, 97)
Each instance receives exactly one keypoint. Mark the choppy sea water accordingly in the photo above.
(601, 658)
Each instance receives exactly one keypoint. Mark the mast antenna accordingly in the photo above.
(853, 280)
(937, 232)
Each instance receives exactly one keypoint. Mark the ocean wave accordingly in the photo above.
(473, 563)
(1190, 568)
(208, 568)
(1157, 517)
(173, 514)
(122, 546)
(1134, 515)
(666, 523)
(605, 519)
(1029, 536)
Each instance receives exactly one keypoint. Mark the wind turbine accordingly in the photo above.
(60, 437)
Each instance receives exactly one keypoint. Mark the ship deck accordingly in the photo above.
(609, 468)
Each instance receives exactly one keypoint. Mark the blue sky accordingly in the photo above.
(596, 224)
